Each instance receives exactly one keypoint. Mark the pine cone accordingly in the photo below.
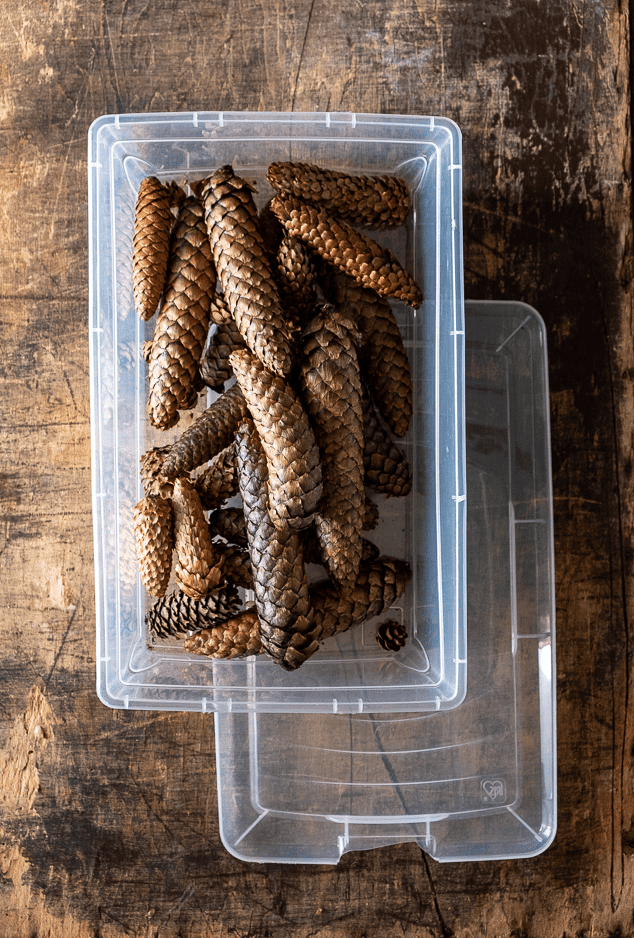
(331, 392)
(183, 322)
(296, 279)
(291, 451)
(386, 466)
(219, 312)
(211, 432)
(277, 563)
(382, 356)
(222, 340)
(152, 521)
(391, 635)
(370, 201)
(152, 225)
(198, 565)
(235, 638)
(236, 562)
(229, 524)
(378, 586)
(357, 255)
(218, 482)
(244, 268)
(312, 550)
(179, 613)
(151, 468)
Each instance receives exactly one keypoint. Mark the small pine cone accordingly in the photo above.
(210, 433)
(229, 524)
(218, 482)
(183, 322)
(391, 635)
(277, 562)
(378, 586)
(244, 268)
(331, 392)
(152, 521)
(296, 279)
(386, 466)
(179, 613)
(382, 356)
(152, 226)
(198, 566)
(370, 515)
(370, 201)
(235, 638)
(359, 256)
(292, 456)
(236, 562)
(222, 340)
(219, 311)
(151, 468)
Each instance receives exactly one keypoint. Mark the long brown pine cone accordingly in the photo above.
(277, 562)
(151, 467)
(370, 201)
(199, 563)
(244, 268)
(222, 340)
(294, 469)
(382, 355)
(385, 464)
(378, 586)
(238, 637)
(331, 393)
(183, 322)
(296, 279)
(178, 613)
(359, 256)
(150, 246)
(218, 481)
(211, 432)
(152, 522)
(312, 550)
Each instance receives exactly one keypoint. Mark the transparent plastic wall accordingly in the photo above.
(349, 673)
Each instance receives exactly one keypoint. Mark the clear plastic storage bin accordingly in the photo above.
(473, 783)
(350, 673)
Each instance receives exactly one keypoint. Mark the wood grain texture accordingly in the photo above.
(108, 820)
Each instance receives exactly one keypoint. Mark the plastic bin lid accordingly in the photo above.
(473, 783)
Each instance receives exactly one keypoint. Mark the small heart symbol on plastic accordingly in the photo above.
(494, 789)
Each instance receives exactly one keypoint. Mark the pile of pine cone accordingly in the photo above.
(292, 302)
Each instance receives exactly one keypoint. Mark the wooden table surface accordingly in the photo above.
(108, 819)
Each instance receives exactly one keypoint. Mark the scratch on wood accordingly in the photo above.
(301, 55)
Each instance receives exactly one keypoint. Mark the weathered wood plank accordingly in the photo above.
(108, 820)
